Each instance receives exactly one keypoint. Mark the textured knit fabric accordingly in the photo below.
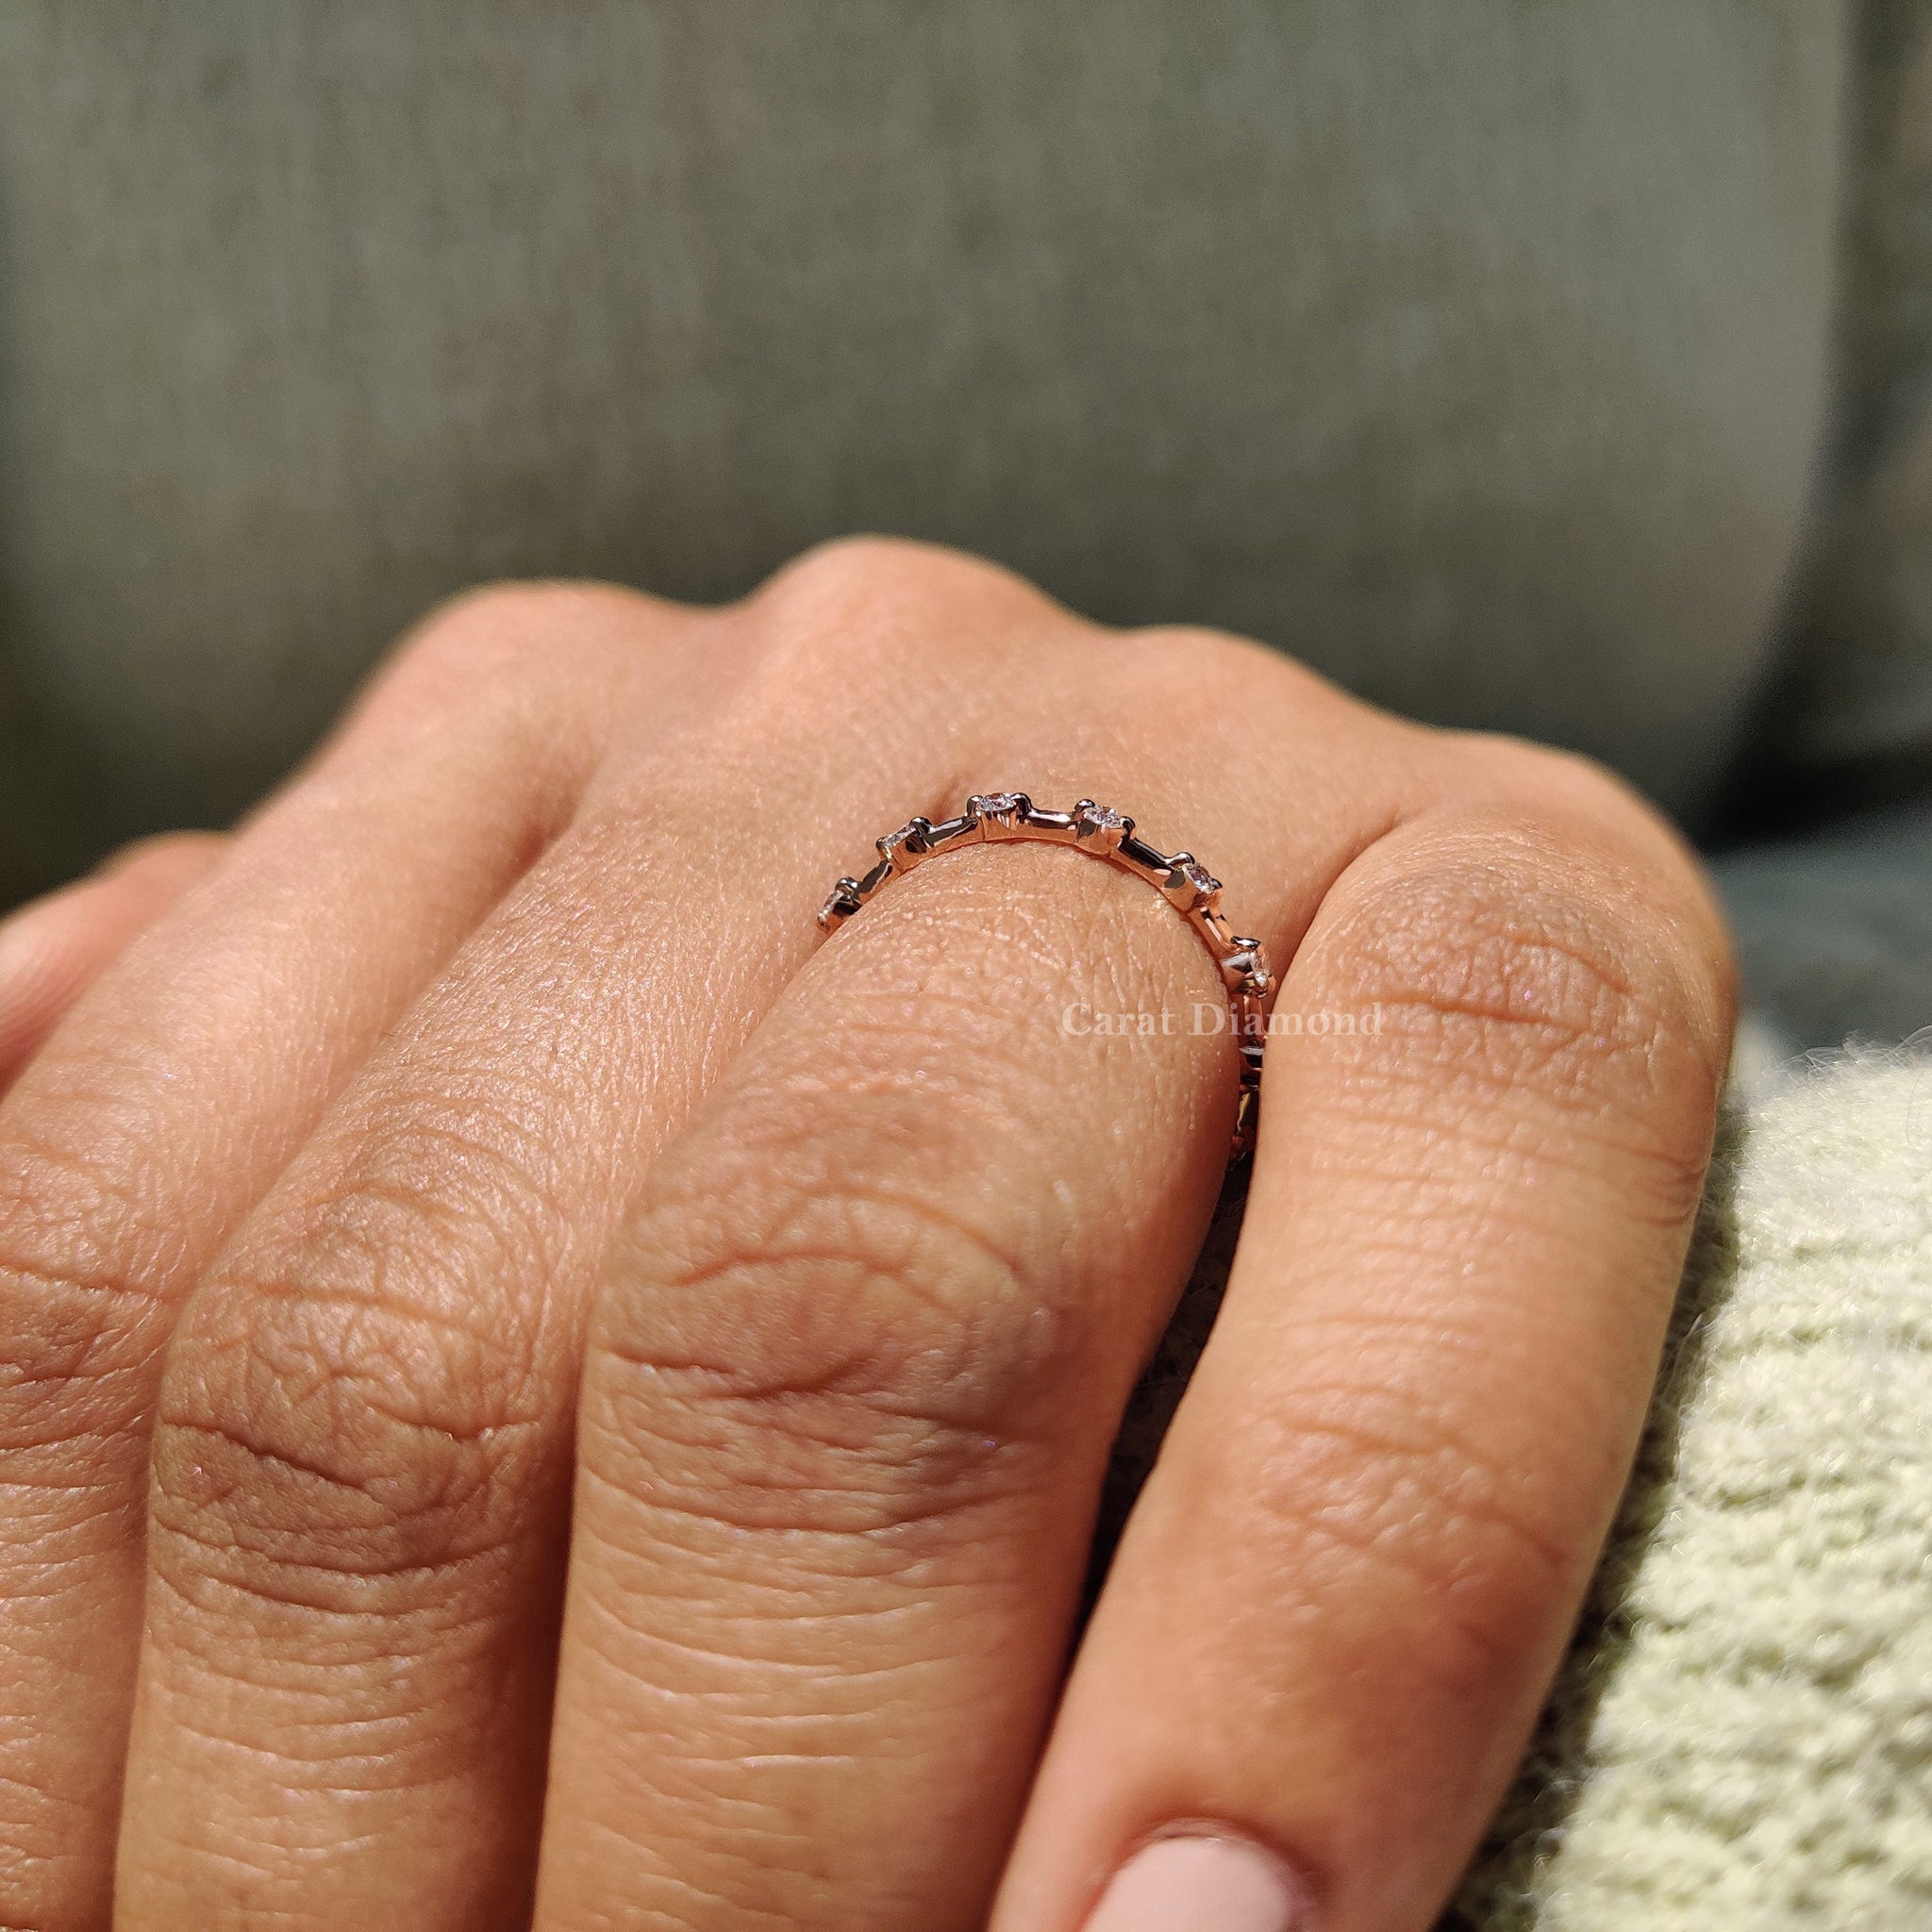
(1742, 1738)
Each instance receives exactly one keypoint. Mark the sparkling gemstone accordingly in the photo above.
(912, 834)
(840, 903)
(1246, 970)
(1199, 877)
(997, 804)
(1103, 818)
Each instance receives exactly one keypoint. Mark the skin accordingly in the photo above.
(536, 1393)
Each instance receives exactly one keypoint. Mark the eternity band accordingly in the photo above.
(1188, 886)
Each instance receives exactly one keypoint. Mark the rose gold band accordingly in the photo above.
(994, 818)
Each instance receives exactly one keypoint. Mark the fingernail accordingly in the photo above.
(1201, 1884)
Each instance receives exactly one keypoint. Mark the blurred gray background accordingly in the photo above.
(1563, 369)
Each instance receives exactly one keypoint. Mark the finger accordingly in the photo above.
(841, 1426)
(1342, 1595)
(362, 1458)
(53, 950)
(173, 1091)
(850, 1392)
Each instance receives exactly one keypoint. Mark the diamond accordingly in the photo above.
(997, 804)
(1190, 885)
(840, 904)
(1099, 827)
(902, 848)
(1246, 970)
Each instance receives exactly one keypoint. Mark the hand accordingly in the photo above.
(490, 1298)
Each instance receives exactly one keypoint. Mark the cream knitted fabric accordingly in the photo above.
(1741, 1739)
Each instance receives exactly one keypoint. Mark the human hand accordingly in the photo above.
(478, 1200)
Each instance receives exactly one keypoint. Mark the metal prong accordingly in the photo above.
(906, 847)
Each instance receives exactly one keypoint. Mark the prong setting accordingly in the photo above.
(1244, 970)
(902, 850)
(999, 814)
(841, 902)
(1190, 885)
(1099, 827)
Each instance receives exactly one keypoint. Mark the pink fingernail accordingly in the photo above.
(1201, 1884)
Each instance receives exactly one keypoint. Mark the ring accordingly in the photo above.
(1182, 880)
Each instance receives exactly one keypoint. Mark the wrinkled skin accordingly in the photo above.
(532, 1386)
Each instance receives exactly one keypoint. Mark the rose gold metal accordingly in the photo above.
(1003, 817)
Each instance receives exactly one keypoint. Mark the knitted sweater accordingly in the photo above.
(1740, 1740)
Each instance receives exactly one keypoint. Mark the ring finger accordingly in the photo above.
(864, 1342)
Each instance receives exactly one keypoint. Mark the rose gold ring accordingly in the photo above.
(1188, 886)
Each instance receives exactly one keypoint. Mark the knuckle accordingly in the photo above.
(452, 1175)
(508, 631)
(1524, 958)
(850, 607)
(1588, 817)
(79, 1319)
(1192, 663)
(802, 1347)
(66, 1364)
(1512, 768)
(327, 1456)
(869, 568)
(353, 1411)
(1393, 1500)
(1246, 701)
